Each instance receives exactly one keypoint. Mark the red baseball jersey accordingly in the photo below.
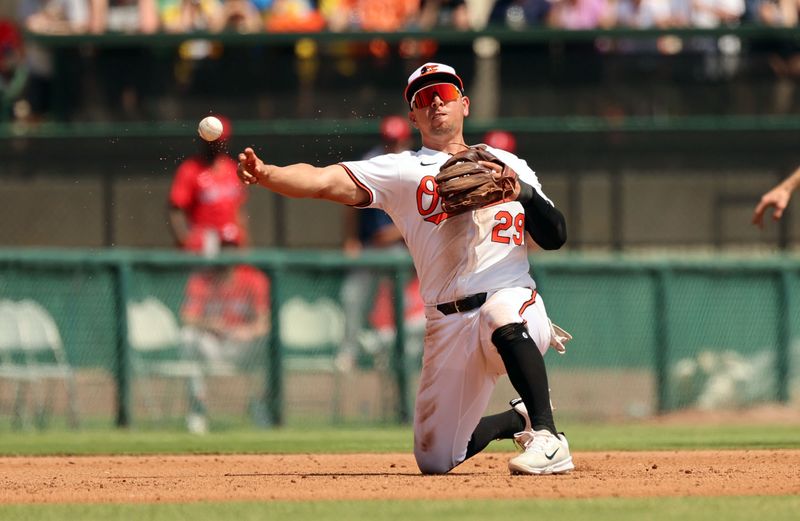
(211, 195)
(237, 298)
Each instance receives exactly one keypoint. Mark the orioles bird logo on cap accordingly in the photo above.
(428, 68)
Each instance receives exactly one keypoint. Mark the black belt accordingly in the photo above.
(464, 304)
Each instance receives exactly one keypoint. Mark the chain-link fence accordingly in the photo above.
(161, 338)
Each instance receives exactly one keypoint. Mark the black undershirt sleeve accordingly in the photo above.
(542, 220)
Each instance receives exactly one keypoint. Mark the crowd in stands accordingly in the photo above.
(177, 16)
(33, 67)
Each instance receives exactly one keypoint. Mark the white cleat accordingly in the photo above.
(543, 453)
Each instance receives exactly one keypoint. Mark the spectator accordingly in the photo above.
(206, 202)
(293, 16)
(640, 14)
(578, 14)
(226, 318)
(340, 15)
(443, 13)
(262, 5)
(778, 13)
(784, 59)
(721, 54)
(241, 16)
(55, 16)
(385, 15)
(680, 12)
(48, 17)
(13, 73)
(369, 229)
(713, 13)
(128, 16)
(185, 16)
(518, 14)
(124, 68)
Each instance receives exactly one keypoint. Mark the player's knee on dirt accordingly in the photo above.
(433, 463)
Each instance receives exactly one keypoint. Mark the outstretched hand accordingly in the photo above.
(251, 169)
(777, 198)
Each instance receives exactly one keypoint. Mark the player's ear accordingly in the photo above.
(465, 105)
(413, 119)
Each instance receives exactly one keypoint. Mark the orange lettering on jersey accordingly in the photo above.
(437, 217)
(427, 195)
(504, 222)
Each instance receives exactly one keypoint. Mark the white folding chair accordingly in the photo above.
(13, 368)
(311, 336)
(156, 352)
(44, 359)
(311, 333)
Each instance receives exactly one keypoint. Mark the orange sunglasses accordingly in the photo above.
(424, 96)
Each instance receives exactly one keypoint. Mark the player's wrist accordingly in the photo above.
(526, 192)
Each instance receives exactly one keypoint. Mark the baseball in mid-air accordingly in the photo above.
(210, 128)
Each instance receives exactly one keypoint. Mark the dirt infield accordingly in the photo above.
(390, 476)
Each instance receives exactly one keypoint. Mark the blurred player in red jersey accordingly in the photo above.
(502, 140)
(206, 201)
(226, 318)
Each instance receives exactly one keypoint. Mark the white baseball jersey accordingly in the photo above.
(455, 256)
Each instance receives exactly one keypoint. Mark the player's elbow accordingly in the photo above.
(554, 240)
(332, 183)
(550, 233)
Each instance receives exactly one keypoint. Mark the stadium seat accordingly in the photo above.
(154, 336)
(34, 357)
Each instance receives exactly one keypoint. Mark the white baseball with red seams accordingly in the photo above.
(456, 256)
(210, 128)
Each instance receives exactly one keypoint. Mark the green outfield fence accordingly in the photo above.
(651, 335)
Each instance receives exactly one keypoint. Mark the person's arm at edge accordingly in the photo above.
(301, 180)
(778, 198)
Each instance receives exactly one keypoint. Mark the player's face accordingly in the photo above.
(439, 109)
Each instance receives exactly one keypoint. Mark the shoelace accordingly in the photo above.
(533, 443)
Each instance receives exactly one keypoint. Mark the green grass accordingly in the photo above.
(591, 437)
(685, 509)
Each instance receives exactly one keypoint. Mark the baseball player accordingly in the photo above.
(484, 317)
(206, 200)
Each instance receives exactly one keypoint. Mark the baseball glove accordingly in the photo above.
(465, 184)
